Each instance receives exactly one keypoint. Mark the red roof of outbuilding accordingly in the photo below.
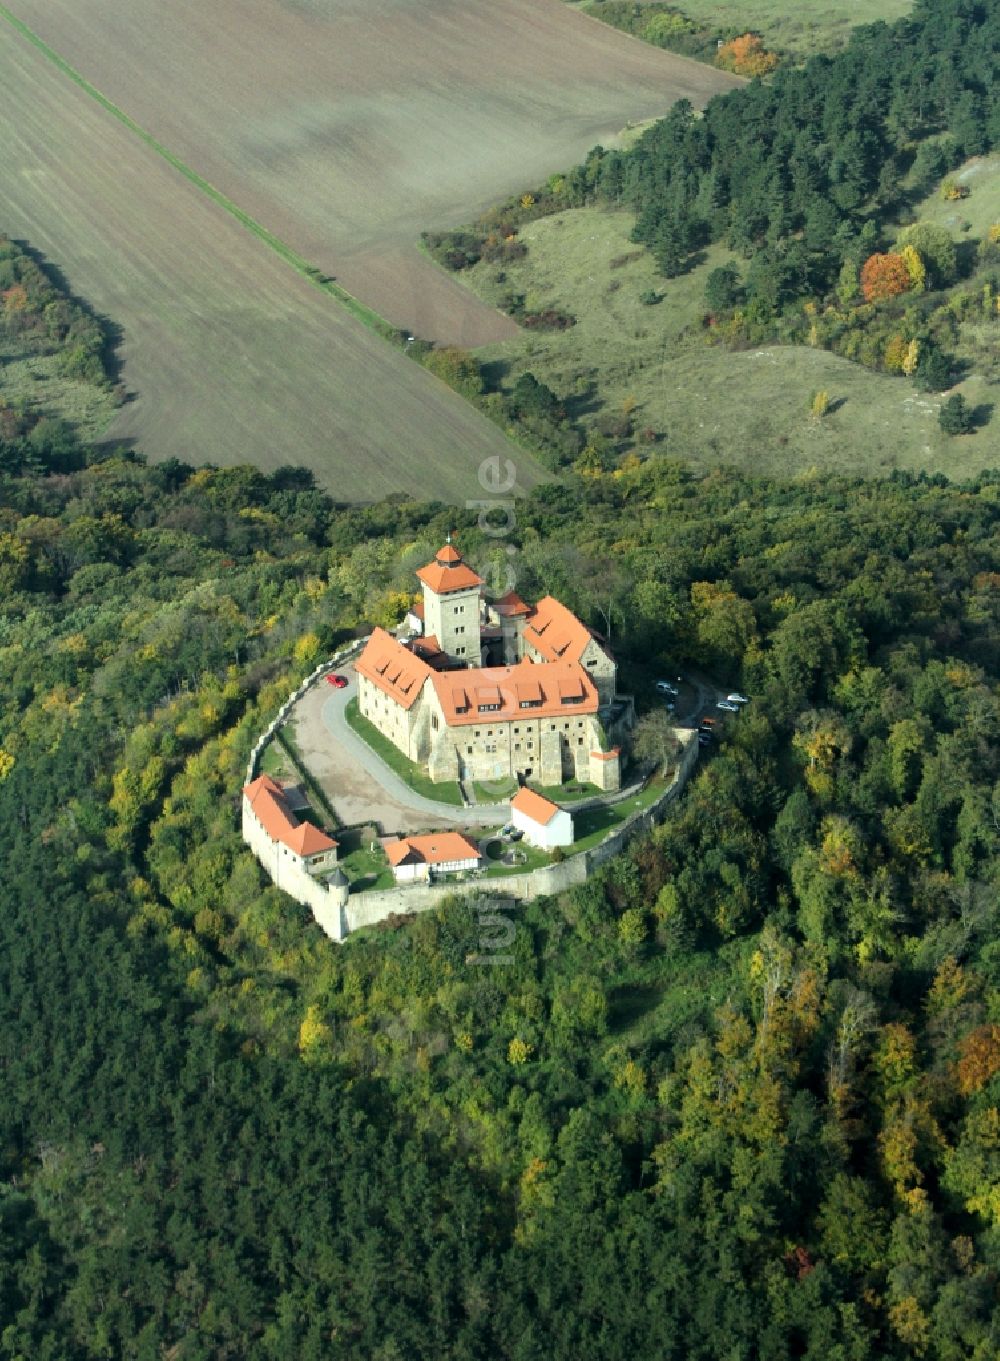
(510, 605)
(267, 799)
(534, 806)
(437, 849)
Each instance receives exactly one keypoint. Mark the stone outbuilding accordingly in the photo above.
(282, 843)
(418, 859)
(543, 822)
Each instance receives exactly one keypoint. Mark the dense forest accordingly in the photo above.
(738, 1097)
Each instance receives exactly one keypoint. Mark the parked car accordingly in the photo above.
(728, 707)
(507, 829)
(665, 688)
(737, 698)
(338, 682)
(707, 724)
(704, 739)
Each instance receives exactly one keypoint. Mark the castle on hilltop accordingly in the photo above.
(489, 689)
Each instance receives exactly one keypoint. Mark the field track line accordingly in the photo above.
(366, 315)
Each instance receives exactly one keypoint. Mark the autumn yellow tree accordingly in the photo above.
(746, 56)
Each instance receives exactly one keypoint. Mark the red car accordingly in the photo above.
(338, 682)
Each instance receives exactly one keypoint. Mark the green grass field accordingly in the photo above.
(709, 405)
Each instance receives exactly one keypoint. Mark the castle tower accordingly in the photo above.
(451, 605)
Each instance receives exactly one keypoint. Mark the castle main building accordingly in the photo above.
(494, 689)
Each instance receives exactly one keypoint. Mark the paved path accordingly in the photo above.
(361, 787)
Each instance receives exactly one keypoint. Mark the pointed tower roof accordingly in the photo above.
(448, 572)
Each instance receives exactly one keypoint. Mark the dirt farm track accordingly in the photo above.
(344, 127)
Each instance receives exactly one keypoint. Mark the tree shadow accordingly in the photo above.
(583, 403)
(966, 257)
(981, 415)
(493, 372)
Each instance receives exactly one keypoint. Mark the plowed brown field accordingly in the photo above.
(344, 127)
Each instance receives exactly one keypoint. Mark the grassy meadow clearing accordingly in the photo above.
(798, 27)
(705, 403)
(36, 381)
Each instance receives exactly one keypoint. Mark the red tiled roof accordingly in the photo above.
(448, 572)
(510, 605)
(549, 689)
(555, 632)
(267, 799)
(393, 668)
(437, 849)
(535, 806)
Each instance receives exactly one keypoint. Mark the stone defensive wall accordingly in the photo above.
(339, 912)
(373, 906)
(346, 654)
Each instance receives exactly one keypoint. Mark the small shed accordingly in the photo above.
(543, 822)
(413, 858)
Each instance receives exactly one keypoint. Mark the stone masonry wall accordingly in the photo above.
(337, 912)
(373, 906)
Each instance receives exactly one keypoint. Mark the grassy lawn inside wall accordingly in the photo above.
(365, 868)
(408, 771)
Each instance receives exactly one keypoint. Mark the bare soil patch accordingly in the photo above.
(348, 126)
(233, 356)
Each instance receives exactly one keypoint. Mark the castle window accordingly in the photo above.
(469, 750)
(517, 746)
(434, 722)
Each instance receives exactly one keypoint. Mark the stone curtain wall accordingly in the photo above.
(367, 909)
(339, 912)
(346, 654)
